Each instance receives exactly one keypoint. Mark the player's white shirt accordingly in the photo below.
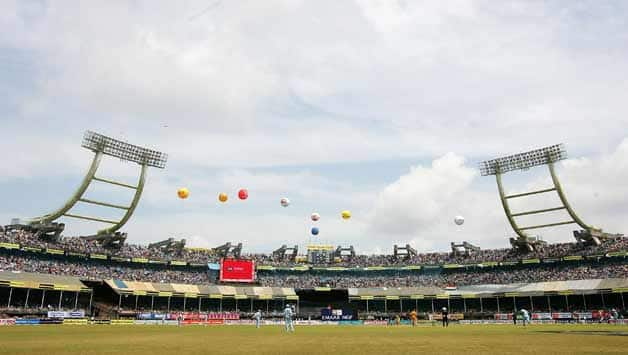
(287, 313)
(257, 315)
(525, 313)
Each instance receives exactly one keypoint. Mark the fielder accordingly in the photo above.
(258, 318)
(287, 316)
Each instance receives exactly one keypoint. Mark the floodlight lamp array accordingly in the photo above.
(523, 161)
(113, 147)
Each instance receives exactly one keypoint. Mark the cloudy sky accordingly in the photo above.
(380, 107)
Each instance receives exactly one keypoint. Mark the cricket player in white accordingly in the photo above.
(258, 317)
(526, 316)
(287, 315)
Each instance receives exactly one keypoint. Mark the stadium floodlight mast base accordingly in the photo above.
(103, 145)
(524, 161)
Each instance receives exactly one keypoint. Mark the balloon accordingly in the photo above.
(315, 216)
(459, 220)
(345, 214)
(223, 197)
(315, 231)
(285, 202)
(243, 194)
(183, 193)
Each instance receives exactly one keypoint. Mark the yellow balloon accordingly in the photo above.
(183, 193)
(223, 197)
(345, 214)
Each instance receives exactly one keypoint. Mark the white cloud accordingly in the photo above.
(244, 85)
(421, 205)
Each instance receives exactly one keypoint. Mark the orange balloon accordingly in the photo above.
(223, 197)
(183, 193)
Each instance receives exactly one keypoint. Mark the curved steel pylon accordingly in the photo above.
(102, 145)
(561, 195)
(546, 156)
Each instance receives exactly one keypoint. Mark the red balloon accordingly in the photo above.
(243, 194)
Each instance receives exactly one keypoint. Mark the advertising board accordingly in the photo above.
(237, 270)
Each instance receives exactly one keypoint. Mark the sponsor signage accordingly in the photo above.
(541, 316)
(237, 270)
(9, 321)
(328, 314)
(74, 314)
(26, 321)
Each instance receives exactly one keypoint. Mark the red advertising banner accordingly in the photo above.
(202, 317)
(237, 270)
(9, 321)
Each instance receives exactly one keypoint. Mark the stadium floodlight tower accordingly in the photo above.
(103, 145)
(524, 161)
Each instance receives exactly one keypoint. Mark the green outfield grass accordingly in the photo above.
(156, 340)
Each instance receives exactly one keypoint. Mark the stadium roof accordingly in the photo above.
(41, 281)
(476, 291)
(206, 291)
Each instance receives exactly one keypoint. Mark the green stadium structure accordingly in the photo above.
(102, 145)
(524, 161)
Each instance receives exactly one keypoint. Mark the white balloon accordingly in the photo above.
(285, 202)
(315, 216)
(459, 220)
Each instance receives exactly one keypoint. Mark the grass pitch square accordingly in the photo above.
(154, 340)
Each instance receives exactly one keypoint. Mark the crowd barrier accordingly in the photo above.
(595, 315)
(5, 322)
(75, 321)
(275, 322)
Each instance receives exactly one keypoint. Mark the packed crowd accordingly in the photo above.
(89, 270)
(94, 271)
(201, 256)
(461, 278)
(489, 255)
(80, 245)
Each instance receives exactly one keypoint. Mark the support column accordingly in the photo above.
(432, 305)
(220, 309)
(416, 305)
(567, 302)
(136, 299)
(60, 299)
(267, 306)
(184, 300)
(531, 305)
(400, 305)
(168, 304)
(464, 304)
(28, 292)
(119, 302)
(236, 304)
(152, 303)
(200, 299)
(251, 305)
(514, 303)
(584, 301)
(10, 294)
(498, 310)
(623, 305)
(91, 297)
(385, 305)
(549, 305)
(367, 306)
(448, 305)
(43, 295)
(76, 301)
(481, 306)
(603, 303)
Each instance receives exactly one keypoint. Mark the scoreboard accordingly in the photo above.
(320, 254)
(237, 270)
